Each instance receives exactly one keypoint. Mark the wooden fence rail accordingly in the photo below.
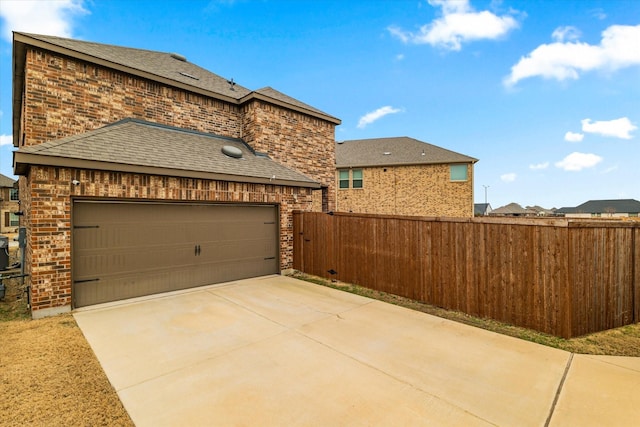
(559, 276)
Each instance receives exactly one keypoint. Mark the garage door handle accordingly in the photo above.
(197, 250)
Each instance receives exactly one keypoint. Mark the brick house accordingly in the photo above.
(614, 208)
(403, 176)
(9, 221)
(141, 172)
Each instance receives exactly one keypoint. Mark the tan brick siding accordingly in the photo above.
(49, 193)
(421, 190)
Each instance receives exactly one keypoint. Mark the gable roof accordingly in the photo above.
(138, 146)
(607, 206)
(5, 181)
(394, 151)
(481, 208)
(167, 68)
(512, 209)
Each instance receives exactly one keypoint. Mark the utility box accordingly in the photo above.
(22, 237)
(4, 252)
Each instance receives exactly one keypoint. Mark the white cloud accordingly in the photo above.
(6, 140)
(508, 177)
(42, 17)
(618, 128)
(376, 115)
(573, 137)
(459, 23)
(399, 57)
(619, 48)
(578, 161)
(539, 166)
(561, 34)
(609, 170)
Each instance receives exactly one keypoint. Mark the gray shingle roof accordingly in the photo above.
(136, 145)
(163, 67)
(512, 209)
(161, 64)
(394, 151)
(608, 206)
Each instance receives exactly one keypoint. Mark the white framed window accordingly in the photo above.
(458, 172)
(356, 178)
(350, 178)
(343, 178)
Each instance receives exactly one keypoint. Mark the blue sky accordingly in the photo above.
(545, 94)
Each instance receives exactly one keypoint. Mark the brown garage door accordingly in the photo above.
(124, 250)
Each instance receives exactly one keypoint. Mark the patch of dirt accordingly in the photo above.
(49, 376)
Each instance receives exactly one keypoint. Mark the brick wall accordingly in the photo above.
(49, 195)
(293, 139)
(424, 190)
(65, 96)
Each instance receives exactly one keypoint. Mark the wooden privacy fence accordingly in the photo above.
(560, 276)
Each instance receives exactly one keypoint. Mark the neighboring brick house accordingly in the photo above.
(616, 208)
(9, 205)
(142, 172)
(403, 176)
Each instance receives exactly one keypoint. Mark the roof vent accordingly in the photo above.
(231, 151)
(387, 153)
(340, 142)
(178, 57)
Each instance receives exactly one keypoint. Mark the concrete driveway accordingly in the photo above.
(276, 351)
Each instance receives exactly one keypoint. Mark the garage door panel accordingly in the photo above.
(123, 250)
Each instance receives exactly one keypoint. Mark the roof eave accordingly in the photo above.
(389, 165)
(22, 161)
(18, 63)
(259, 96)
(21, 40)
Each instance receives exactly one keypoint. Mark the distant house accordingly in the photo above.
(482, 209)
(617, 208)
(9, 205)
(403, 176)
(513, 209)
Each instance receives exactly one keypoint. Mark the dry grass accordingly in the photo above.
(49, 374)
(624, 341)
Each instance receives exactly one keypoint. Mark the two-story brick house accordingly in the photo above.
(142, 172)
(9, 221)
(403, 176)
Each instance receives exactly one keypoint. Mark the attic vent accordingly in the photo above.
(178, 57)
(230, 151)
(189, 75)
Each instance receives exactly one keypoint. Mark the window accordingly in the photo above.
(344, 178)
(14, 220)
(356, 178)
(14, 194)
(458, 172)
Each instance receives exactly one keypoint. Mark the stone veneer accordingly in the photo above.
(419, 190)
(65, 96)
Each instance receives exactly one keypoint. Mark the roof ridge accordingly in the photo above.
(46, 36)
